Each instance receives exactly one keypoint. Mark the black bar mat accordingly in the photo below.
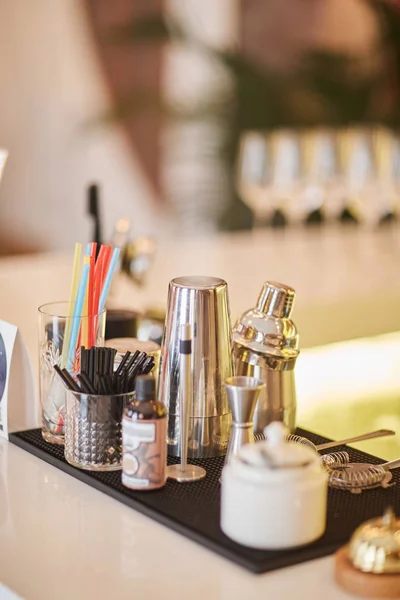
(193, 509)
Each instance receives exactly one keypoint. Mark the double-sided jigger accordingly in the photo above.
(185, 472)
(243, 393)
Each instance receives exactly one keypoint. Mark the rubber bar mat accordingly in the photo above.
(193, 509)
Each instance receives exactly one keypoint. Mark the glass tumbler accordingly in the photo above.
(54, 322)
(93, 430)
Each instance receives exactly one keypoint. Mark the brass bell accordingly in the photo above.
(375, 545)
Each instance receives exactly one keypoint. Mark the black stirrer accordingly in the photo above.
(136, 370)
(123, 362)
(83, 360)
(131, 361)
(87, 386)
(138, 364)
(91, 363)
(124, 383)
(98, 361)
(149, 359)
(102, 386)
(73, 384)
(113, 352)
(107, 361)
(148, 367)
(109, 383)
(67, 379)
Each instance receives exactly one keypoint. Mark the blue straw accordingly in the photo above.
(76, 321)
(107, 282)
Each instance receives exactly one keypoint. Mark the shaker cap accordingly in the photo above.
(267, 328)
(277, 453)
(276, 300)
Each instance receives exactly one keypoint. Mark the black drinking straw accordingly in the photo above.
(113, 353)
(83, 360)
(122, 363)
(131, 361)
(125, 383)
(138, 365)
(107, 361)
(97, 376)
(98, 360)
(149, 366)
(67, 379)
(87, 386)
(103, 387)
(109, 384)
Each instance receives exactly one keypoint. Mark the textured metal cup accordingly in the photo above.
(93, 431)
(203, 303)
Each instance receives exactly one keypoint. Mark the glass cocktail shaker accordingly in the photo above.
(266, 346)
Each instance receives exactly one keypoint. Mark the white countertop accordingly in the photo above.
(61, 539)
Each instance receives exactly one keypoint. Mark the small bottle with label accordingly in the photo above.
(144, 439)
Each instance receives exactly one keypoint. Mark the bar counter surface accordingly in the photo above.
(61, 539)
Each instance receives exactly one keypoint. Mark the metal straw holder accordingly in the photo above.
(93, 435)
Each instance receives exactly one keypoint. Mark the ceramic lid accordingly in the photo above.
(276, 458)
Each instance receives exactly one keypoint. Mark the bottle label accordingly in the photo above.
(144, 453)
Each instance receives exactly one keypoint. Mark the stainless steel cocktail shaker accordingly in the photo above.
(201, 302)
(266, 346)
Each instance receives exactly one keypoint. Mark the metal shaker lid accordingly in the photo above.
(268, 328)
(276, 300)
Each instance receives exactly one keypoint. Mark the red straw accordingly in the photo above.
(106, 264)
(100, 272)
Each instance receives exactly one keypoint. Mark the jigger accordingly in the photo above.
(243, 393)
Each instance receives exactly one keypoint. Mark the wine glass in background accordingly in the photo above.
(370, 175)
(386, 158)
(285, 175)
(339, 204)
(317, 175)
(253, 175)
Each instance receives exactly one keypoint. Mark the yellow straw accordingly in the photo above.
(85, 312)
(74, 287)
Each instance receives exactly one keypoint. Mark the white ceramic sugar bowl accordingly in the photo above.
(274, 493)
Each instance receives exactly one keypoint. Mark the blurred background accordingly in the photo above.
(195, 116)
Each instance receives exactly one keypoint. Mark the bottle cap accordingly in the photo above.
(145, 387)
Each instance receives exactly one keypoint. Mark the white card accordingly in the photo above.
(7, 594)
(18, 393)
